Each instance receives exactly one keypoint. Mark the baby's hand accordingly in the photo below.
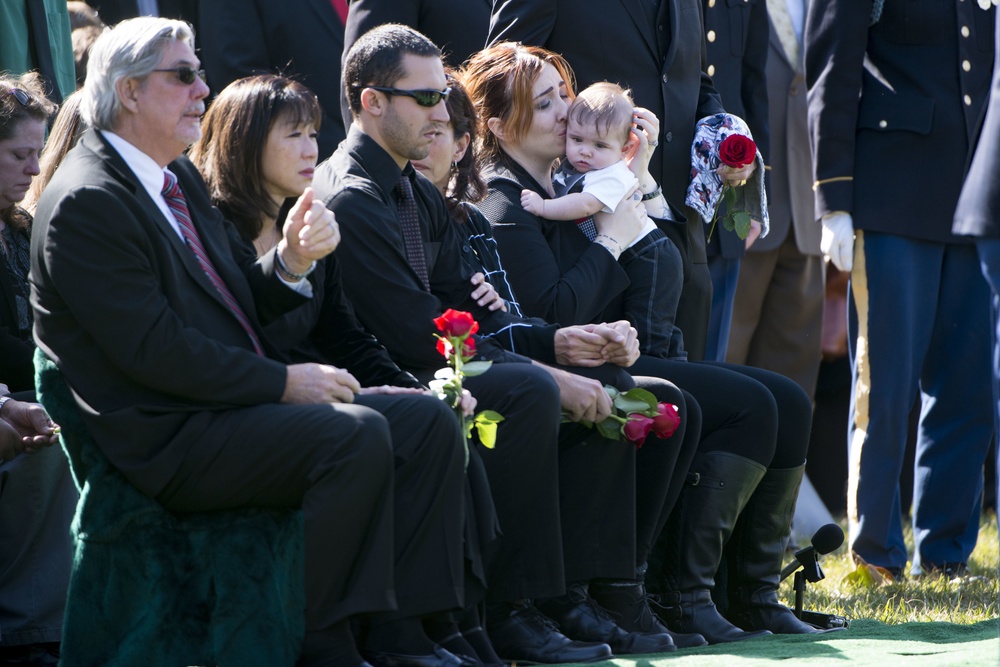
(532, 202)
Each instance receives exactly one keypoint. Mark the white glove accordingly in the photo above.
(837, 241)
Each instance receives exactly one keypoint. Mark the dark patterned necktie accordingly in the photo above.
(178, 206)
(409, 224)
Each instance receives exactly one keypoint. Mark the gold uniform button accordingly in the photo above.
(965, 29)
(883, 124)
(711, 35)
(711, 70)
(711, 3)
(967, 100)
(966, 65)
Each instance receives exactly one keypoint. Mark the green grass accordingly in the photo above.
(965, 600)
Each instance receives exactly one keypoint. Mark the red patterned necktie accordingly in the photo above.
(409, 224)
(178, 206)
(340, 6)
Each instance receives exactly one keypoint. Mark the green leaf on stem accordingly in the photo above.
(486, 427)
(474, 368)
(609, 428)
(636, 400)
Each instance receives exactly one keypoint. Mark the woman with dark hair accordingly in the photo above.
(258, 150)
(755, 425)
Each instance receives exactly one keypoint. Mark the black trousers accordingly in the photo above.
(380, 483)
(747, 411)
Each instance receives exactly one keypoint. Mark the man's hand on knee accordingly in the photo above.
(319, 383)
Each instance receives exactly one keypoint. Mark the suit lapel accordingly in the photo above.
(324, 12)
(672, 10)
(216, 244)
(119, 170)
(639, 17)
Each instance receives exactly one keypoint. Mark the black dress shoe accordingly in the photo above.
(439, 658)
(631, 607)
(525, 635)
(579, 616)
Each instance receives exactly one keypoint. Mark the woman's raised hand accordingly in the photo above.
(485, 294)
(645, 133)
(310, 234)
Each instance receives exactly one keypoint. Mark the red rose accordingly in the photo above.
(456, 323)
(469, 347)
(667, 421)
(637, 428)
(444, 347)
(737, 151)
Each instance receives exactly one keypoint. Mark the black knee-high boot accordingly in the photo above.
(755, 555)
(719, 486)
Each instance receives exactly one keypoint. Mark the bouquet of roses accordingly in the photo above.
(458, 346)
(736, 152)
(637, 413)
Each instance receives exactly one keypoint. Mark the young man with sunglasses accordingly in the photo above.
(566, 509)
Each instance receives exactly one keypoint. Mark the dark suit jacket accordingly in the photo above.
(736, 42)
(138, 330)
(299, 38)
(662, 62)
(891, 136)
(113, 11)
(458, 28)
(978, 210)
(790, 198)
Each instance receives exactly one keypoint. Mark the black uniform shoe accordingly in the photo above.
(525, 635)
(579, 616)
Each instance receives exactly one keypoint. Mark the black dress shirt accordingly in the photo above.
(357, 183)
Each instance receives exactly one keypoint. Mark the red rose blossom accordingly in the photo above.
(637, 428)
(667, 421)
(737, 151)
(456, 323)
(444, 347)
(469, 347)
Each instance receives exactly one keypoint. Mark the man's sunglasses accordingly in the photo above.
(425, 98)
(21, 96)
(186, 75)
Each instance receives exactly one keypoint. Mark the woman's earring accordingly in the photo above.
(454, 167)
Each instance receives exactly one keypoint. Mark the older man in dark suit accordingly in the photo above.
(156, 327)
(896, 90)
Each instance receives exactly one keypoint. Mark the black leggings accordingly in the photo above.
(758, 414)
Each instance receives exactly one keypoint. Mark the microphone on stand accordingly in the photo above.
(828, 538)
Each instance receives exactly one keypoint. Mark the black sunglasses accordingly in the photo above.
(21, 96)
(185, 74)
(425, 98)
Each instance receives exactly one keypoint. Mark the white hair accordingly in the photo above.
(132, 49)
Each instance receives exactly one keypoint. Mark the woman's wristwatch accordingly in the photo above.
(653, 194)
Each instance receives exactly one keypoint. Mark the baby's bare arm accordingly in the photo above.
(572, 206)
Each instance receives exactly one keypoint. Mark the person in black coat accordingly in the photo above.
(736, 37)
(301, 39)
